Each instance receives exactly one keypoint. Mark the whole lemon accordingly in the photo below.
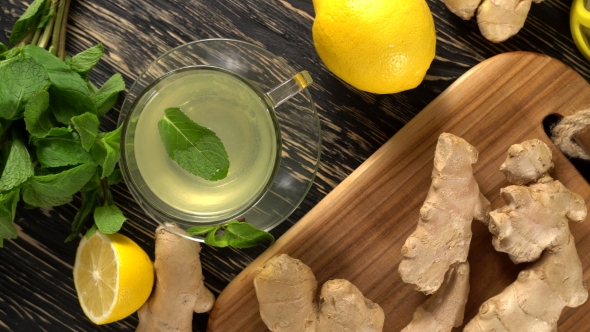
(379, 46)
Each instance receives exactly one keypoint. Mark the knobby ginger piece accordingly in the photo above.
(443, 234)
(445, 308)
(286, 291)
(499, 20)
(179, 289)
(534, 222)
(465, 9)
(343, 308)
(536, 299)
(527, 162)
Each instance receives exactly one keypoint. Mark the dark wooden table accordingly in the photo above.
(36, 287)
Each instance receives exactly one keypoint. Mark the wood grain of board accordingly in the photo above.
(356, 232)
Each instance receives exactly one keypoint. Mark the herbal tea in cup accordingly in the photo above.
(202, 145)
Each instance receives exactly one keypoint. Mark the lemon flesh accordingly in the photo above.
(113, 277)
(378, 46)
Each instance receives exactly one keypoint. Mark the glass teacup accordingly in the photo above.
(272, 138)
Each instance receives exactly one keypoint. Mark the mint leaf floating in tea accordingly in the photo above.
(237, 234)
(195, 148)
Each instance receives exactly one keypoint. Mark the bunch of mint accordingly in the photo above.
(50, 145)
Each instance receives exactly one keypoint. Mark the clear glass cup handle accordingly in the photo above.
(289, 88)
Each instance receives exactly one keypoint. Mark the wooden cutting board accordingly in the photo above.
(357, 231)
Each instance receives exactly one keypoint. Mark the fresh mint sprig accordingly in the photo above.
(235, 233)
(50, 145)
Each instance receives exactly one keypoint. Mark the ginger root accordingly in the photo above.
(443, 234)
(445, 308)
(465, 9)
(179, 289)
(498, 20)
(534, 222)
(343, 308)
(286, 292)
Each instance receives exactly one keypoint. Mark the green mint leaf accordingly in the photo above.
(58, 131)
(105, 151)
(92, 88)
(216, 241)
(48, 14)
(39, 119)
(36, 199)
(195, 148)
(20, 77)
(7, 214)
(3, 49)
(87, 126)
(244, 235)
(7, 229)
(61, 151)
(11, 53)
(201, 230)
(18, 167)
(84, 214)
(106, 97)
(115, 177)
(22, 25)
(91, 231)
(7, 196)
(69, 94)
(63, 184)
(84, 61)
(109, 219)
(93, 183)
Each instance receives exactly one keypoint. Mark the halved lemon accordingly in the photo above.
(113, 277)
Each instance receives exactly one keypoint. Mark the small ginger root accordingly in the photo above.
(179, 289)
(445, 308)
(498, 20)
(343, 308)
(443, 234)
(534, 223)
(286, 291)
(465, 9)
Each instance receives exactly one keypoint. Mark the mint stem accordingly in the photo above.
(36, 36)
(38, 30)
(105, 190)
(57, 29)
(44, 40)
(61, 51)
